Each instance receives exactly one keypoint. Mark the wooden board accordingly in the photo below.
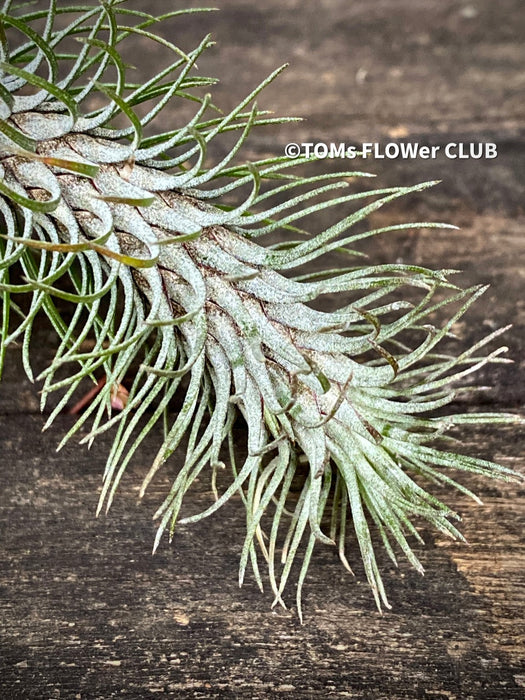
(87, 612)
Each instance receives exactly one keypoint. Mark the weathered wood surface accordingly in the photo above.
(86, 612)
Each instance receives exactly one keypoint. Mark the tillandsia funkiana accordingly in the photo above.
(159, 277)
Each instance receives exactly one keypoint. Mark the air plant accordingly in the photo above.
(128, 241)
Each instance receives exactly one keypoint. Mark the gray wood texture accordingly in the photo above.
(87, 612)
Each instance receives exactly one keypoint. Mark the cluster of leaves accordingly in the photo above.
(167, 282)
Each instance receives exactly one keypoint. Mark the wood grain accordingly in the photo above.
(87, 612)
